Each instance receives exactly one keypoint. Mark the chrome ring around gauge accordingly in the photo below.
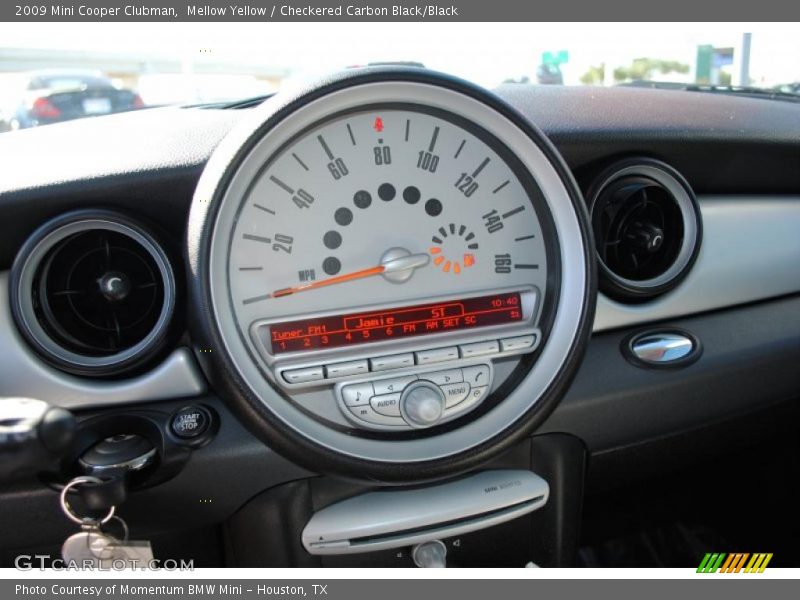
(389, 226)
(32, 285)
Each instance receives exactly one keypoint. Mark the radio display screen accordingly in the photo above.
(408, 321)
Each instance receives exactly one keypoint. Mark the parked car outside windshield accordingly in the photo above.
(51, 96)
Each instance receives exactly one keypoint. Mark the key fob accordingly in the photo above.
(86, 548)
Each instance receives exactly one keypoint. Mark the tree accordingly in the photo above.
(594, 76)
(645, 68)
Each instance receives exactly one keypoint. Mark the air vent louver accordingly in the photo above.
(646, 226)
(98, 293)
(94, 293)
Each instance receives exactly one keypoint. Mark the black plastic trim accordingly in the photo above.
(749, 363)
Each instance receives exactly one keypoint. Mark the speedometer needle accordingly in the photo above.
(392, 265)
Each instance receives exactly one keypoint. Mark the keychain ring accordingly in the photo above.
(65, 506)
(123, 525)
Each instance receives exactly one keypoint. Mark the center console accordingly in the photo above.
(522, 508)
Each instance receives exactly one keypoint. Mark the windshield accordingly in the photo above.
(183, 63)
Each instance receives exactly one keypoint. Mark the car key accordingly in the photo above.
(94, 547)
(135, 553)
(88, 547)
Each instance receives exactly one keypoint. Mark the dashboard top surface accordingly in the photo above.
(721, 144)
(178, 138)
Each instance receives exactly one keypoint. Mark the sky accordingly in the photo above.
(485, 53)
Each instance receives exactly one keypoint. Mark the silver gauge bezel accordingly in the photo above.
(251, 366)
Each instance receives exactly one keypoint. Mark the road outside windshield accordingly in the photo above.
(50, 73)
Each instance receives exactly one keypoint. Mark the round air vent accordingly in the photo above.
(647, 228)
(93, 293)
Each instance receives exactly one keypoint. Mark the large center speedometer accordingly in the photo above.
(384, 204)
(390, 267)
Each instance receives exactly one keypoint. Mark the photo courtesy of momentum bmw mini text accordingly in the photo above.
(399, 299)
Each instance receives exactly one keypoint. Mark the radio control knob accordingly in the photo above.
(422, 404)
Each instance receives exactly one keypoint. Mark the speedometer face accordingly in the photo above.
(384, 206)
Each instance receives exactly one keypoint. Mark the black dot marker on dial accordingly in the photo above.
(433, 207)
(411, 195)
(343, 216)
(332, 240)
(362, 199)
(386, 192)
(331, 265)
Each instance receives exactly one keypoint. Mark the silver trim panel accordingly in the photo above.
(397, 518)
(23, 373)
(750, 252)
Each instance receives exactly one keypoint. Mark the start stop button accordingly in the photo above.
(190, 422)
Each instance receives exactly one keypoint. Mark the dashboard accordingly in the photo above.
(395, 276)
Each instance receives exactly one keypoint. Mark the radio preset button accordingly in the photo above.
(388, 404)
(428, 357)
(344, 369)
(454, 393)
(395, 361)
(304, 375)
(476, 376)
(517, 343)
(444, 377)
(479, 349)
(357, 394)
(365, 413)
